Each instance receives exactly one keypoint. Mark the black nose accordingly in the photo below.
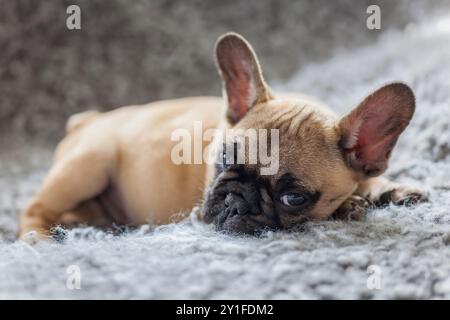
(237, 204)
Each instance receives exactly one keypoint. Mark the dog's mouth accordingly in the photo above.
(237, 207)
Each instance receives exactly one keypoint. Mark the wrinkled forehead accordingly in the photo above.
(305, 138)
(287, 114)
(303, 130)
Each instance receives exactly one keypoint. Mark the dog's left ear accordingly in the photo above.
(370, 131)
(243, 81)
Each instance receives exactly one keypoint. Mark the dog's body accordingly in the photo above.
(117, 166)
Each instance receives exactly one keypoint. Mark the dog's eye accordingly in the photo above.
(225, 161)
(293, 199)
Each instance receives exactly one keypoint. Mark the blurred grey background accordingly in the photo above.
(138, 51)
(131, 52)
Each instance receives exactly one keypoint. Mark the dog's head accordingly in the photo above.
(320, 158)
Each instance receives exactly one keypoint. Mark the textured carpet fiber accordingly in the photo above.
(409, 246)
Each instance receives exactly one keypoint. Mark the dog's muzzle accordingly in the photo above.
(239, 207)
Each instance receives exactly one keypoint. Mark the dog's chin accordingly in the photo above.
(239, 225)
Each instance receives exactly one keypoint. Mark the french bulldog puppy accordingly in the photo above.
(118, 166)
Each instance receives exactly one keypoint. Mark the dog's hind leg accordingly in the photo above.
(75, 178)
(381, 191)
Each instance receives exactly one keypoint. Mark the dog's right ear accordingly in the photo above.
(243, 81)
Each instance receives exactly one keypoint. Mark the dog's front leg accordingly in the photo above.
(381, 191)
(353, 208)
(377, 191)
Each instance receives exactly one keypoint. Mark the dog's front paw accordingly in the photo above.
(354, 208)
(33, 237)
(403, 196)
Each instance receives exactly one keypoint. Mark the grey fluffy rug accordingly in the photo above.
(410, 246)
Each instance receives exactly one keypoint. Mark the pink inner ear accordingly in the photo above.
(372, 129)
(376, 138)
(238, 91)
(243, 81)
